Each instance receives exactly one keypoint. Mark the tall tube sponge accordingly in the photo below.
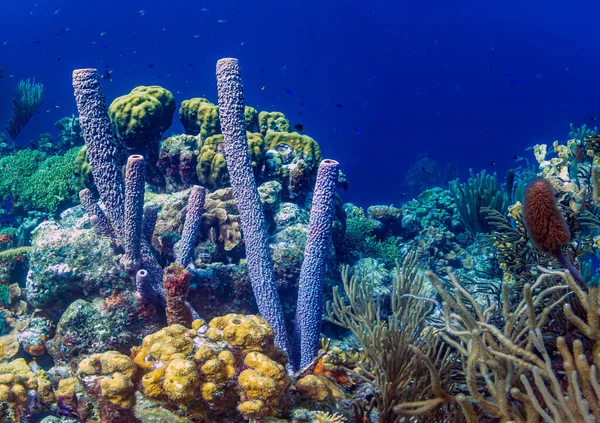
(260, 264)
(106, 169)
(101, 146)
(307, 331)
(184, 248)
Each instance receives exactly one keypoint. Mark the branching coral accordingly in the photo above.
(499, 360)
(398, 350)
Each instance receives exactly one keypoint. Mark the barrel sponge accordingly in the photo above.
(199, 116)
(305, 147)
(141, 117)
(273, 122)
(546, 226)
(212, 167)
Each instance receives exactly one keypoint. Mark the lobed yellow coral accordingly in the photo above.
(200, 116)
(140, 117)
(212, 167)
(306, 147)
(272, 122)
(263, 385)
(246, 333)
(162, 345)
(114, 373)
(17, 380)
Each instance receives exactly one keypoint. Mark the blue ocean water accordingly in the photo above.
(375, 83)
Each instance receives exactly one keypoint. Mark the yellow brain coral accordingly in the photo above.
(247, 333)
(306, 147)
(114, 373)
(212, 167)
(272, 122)
(199, 116)
(17, 380)
(161, 345)
(140, 117)
(263, 385)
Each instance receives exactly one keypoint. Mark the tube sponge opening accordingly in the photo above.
(545, 224)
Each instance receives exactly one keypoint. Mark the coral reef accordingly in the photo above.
(141, 117)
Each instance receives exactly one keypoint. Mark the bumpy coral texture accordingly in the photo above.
(231, 363)
(260, 264)
(545, 224)
(140, 117)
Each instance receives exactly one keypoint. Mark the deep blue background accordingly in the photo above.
(410, 76)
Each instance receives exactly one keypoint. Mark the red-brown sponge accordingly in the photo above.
(546, 226)
(177, 285)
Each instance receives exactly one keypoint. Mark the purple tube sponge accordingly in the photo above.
(307, 330)
(106, 170)
(260, 264)
(97, 216)
(135, 181)
(150, 217)
(101, 147)
(195, 208)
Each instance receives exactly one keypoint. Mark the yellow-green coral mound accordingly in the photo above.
(306, 147)
(199, 116)
(212, 167)
(272, 122)
(140, 117)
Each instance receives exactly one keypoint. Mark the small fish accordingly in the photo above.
(338, 105)
(107, 75)
(262, 88)
(299, 127)
(515, 81)
(222, 21)
(105, 45)
(492, 163)
(516, 157)
(357, 130)
(205, 10)
(593, 118)
(290, 92)
(57, 11)
(150, 66)
(102, 34)
(142, 12)
(401, 195)
(197, 36)
(57, 106)
(423, 169)
(37, 42)
(58, 59)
